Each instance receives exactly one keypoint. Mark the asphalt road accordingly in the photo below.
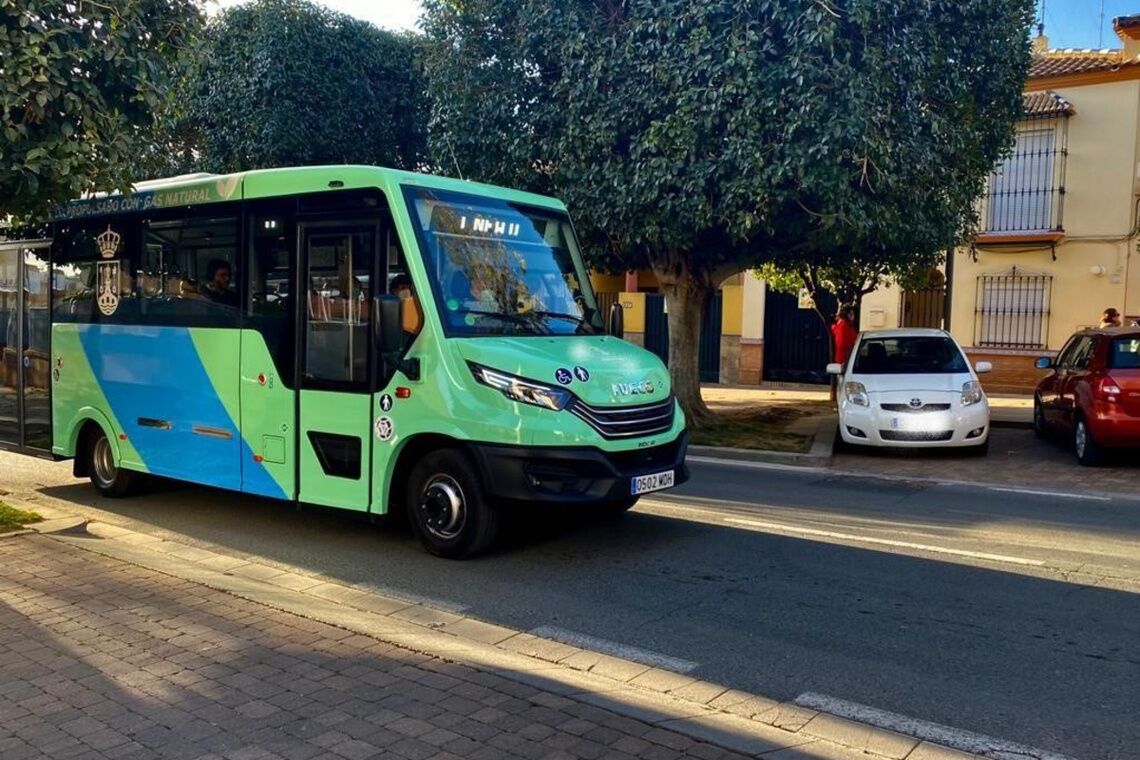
(1002, 612)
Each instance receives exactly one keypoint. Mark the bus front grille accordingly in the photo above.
(616, 423)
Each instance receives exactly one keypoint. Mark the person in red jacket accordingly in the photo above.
(844, 334)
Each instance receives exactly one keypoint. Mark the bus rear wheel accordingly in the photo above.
(446, 506)
(109, 479)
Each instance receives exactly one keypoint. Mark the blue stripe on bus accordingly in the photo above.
(155, 373)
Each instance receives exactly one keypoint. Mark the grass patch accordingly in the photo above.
(13, 519)
(757, 427)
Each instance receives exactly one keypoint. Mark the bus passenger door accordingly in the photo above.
(338, 273)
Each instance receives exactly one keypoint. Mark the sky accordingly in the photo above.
(1077, 23)
(1068, 23)
(389, 14)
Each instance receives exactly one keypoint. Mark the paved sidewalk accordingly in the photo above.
(107, 649)
(103, 659)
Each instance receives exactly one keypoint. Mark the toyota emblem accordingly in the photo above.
(915, 403)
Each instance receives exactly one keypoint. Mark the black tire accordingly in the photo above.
(1089, 452)
(446, 507)
(1040, 429)
(108, 478)
(981, 450)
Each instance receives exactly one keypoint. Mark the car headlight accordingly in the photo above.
(972, 393)
(518, 389)
(857, 394)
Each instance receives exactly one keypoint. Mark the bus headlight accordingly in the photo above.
(518, 389)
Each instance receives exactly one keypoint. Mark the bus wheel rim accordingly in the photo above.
(443, 507)
(104, 462)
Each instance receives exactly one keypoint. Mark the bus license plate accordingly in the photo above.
(658, 481)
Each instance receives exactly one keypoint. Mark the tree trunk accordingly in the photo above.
(685, 300)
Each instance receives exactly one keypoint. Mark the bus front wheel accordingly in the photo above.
(109, 479)
(446, 506)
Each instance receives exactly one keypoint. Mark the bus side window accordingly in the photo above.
(270, 256)
(400, 284)
(189, 270)
(93, 263)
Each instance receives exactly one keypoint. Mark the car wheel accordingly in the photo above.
(981, 450)
(108, 478)
(1089, 453)
(446, 506)
(1040, 429)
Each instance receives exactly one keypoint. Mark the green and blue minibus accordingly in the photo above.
(346, 336)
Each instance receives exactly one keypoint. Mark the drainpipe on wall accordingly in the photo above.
(948, 298)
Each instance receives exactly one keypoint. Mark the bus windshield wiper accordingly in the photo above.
(577, 319)
(518, 319)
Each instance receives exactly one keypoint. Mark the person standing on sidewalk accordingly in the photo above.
(844, 333)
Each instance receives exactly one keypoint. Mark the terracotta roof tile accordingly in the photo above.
(1045, 104)
(1064, 62)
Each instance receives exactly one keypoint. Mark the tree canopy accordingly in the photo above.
(79, 84)
(703, 137)
(288, 82)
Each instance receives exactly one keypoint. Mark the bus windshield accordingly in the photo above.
(499, 268)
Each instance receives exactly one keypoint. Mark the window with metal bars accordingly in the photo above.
(1012, 311)
(1027, 191)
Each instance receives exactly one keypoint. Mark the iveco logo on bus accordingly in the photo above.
(633, 389)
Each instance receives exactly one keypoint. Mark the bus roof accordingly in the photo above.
(203, 188)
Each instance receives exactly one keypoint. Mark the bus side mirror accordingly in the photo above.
(388, 325)
(615, 323)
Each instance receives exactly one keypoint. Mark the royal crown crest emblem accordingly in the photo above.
(108, 272)
(108, 243)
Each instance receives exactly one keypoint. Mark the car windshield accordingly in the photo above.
(1124, 353)
(909, 355)
(499, 268)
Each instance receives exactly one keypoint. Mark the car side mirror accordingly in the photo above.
(615, 322)
(835, 368)
(388, 325)
(983, 367)
(1043, 363)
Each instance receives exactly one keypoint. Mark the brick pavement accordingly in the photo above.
(104, 659)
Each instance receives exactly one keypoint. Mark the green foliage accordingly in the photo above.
(704, 137)
(79, 82)
(710, 134)
(288, 82)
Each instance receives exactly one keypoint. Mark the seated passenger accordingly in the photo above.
(217, 285)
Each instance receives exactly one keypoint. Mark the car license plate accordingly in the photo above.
(658, 481)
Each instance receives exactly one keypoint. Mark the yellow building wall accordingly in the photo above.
(880, 308)
(1096, 265)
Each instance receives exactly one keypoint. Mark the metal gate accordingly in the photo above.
(796, 343)
(924, 308)
(657, 334)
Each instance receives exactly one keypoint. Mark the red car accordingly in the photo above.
(1093, 394)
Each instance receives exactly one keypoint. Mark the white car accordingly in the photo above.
(911, 388)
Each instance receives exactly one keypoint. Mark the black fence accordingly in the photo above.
(1012, 311)
(1027, 191)
(924, 308)
(657, 334)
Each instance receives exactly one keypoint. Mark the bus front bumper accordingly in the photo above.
(572, 474)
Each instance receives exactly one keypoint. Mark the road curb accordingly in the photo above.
(735, 720)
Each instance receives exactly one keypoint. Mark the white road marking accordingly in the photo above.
(1055, 494)
(782, 527)
(624, 651)
(410, 598)
(893, 478)
(966, 741)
